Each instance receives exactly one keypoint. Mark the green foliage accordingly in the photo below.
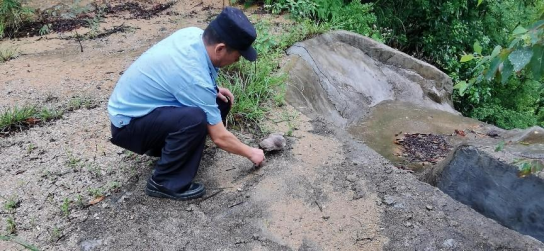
(529, 166)
(65, 207)
(11, 227)
(14, 239)
(505, 87)
(12, 15)
(18, 118)
(353, 16)
(8, 54)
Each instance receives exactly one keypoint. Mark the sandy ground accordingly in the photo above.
(326, 191)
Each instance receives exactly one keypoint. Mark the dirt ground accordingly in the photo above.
(326, 191)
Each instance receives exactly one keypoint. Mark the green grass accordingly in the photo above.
(14, 239)
(258, 85)
(11, 204)
(8, 54)
(17, 119)
(65, 207)
(11, 228)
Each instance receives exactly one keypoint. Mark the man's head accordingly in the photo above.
(230, 36)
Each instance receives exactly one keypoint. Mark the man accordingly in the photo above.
(167, 101)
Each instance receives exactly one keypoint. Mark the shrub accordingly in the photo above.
(12, 15)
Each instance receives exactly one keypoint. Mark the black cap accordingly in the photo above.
(236, 30)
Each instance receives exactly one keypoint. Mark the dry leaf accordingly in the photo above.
(94, 201)
(32, 121)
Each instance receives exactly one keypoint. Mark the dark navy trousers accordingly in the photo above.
(176, 135)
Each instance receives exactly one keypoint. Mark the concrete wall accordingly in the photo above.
(493, 188)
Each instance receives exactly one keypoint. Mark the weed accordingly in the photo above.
(73, 162)
(30, 148)
(8, 54)
(11, 227)
(65, 207)
(19, 241)
(12, 15)
(56, 234)
(79, 201)
(113, 186)
(11, 204)
(15, 118)
(96, 192)
(46, 29)
(79, 102)
(47, 114)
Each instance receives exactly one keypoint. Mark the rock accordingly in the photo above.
(351, 178)
(274, 142)
(449, 244)
(429, 207)
(326, 217)
(388, 200)
(256, 237)
(360, 190)
(89, 245)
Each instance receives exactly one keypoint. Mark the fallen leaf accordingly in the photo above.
(460, 132)
(32, 121)
(94, 201)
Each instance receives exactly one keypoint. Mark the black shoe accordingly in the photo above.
(194, 190)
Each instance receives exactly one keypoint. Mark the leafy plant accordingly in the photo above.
(512, 77)
(12, 15)
(529, 166)
(11, 204)
(11, 227)
(8, 54)
(46, 29)
(65, 207)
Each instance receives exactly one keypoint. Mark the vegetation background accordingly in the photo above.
(492, 49)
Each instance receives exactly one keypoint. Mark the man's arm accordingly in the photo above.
(228, 142)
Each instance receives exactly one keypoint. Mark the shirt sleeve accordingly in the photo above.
(201, 92)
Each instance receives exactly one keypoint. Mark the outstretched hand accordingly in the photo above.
(257, 157)
(225, 95)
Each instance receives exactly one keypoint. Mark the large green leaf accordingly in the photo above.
(461, 86)
(537, 62)
(493, 67)
(519, 30)
(467, 57)
(507, 71)
(477, 47)
(520, 58)
(479, 2)
(496, 51)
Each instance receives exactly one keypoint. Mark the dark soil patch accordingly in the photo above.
(138, 12)
(419, 147)
(59, 25)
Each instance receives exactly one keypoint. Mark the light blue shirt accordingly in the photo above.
(177, 72)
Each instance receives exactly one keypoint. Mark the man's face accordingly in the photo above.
(224, 57)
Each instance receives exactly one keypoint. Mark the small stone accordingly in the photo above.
(388, 200)
(239, 189)
(256, 237)
(429, 207)
(408, 224)
(449, 244)
(352, 178)
(326, 217)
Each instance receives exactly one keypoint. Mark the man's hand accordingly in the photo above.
(257, 156)
(225, 95)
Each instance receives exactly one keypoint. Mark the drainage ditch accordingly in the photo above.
(494, 189)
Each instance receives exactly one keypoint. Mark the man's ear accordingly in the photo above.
(220, 48)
